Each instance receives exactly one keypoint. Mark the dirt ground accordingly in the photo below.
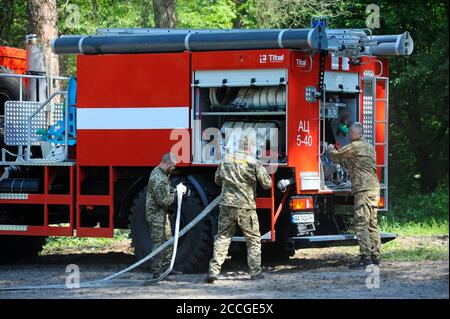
(311, 273)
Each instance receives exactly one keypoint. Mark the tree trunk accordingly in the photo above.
(165, 13)
(42, 21)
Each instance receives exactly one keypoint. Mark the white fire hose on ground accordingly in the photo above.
(111, 281)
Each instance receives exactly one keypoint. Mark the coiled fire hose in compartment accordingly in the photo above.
(263, 132)
(258, 98)
(112, 281)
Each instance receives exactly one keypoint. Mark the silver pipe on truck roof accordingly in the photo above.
(181, 40)
(400, 44)
(153, 40)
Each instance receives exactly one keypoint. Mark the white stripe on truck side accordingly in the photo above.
(140, 118)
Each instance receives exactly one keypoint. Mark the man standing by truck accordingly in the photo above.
(160, 195)
(238, 174)
(359, 157)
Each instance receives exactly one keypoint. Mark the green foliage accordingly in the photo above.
(94, 14)
(295, 13)
(13, 23)
(418, 215)
(421, 208)
(246, 12)
(210, 14)
(55, 244)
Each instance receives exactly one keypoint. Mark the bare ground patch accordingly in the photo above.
(311, 273)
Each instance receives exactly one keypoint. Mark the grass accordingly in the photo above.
(414, 228)
(418, 214)
(417, 251)
(55, 244)
(409, 249)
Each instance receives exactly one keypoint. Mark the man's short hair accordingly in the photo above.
(358, 127)
(169, 158)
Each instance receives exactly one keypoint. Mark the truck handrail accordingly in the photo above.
(41, 106)
(32, 76)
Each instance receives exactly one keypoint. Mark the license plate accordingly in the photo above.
(303, 218)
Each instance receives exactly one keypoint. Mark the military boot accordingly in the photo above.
(210, 278)
(156, 275)
(376, 260)
(257, 276)
(362, 262)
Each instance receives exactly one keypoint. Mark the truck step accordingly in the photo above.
(332, 240)
(20, 196)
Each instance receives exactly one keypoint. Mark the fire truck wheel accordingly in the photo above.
(194, 249)
(20, 247)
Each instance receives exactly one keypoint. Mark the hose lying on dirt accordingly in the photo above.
(181, 189)
(110, 281)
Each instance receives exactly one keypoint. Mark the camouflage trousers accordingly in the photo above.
(160, 232)
(247, 220)
(366, 225)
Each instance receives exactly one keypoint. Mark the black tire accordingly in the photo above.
(194, 248)
(16, 248)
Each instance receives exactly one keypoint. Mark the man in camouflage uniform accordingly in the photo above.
(359, 158)
(160, 195)
(238, 174)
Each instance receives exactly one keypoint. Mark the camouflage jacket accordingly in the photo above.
(238, 174)
(160, 195)
(359, 158)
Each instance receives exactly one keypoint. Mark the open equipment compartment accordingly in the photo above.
(339, 108)
(230, 103)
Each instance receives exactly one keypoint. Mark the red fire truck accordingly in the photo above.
(77, 155)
